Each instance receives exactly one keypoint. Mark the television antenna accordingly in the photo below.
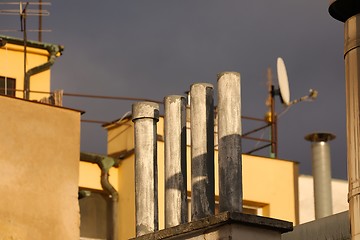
(283, 91)
(25, 9)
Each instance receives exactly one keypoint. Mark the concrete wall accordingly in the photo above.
(12, 66)
(269, 185)
(40, 148)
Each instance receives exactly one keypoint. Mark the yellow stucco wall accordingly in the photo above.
(40, 148)
(268, 184)
(12, 66)
(89, 176)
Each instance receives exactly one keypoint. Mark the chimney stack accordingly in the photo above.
(229, 134)
(176, 210)
(145, 117)
(202, 151)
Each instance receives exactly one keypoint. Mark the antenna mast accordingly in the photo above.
(271, 114)
(40, 22)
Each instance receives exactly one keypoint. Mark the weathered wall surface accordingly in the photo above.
(40, 148)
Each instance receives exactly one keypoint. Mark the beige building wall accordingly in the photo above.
(40, 148)
(269, 185)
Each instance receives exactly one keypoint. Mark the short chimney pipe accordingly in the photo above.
(229, 134)
(145, 116)
(202, 151)
(321, 168)
(176, 210)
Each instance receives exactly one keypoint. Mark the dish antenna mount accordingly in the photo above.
(283, 91)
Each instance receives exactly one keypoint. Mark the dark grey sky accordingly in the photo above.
(151, 49)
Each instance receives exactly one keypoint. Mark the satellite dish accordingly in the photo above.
(283, 81)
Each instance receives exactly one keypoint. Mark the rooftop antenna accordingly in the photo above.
(24, 11)
(283, 91)
(28, 9)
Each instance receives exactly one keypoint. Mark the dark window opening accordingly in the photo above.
(95, 213)
(7, 86)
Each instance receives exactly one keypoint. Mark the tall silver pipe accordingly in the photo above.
(352, 68)
(348, 11)
(176, 210)
(202, 151)
(145, 117)
(321, 168)
(229, 134)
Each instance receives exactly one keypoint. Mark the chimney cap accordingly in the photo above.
(320, 137)
(342, 10)
(145, 110)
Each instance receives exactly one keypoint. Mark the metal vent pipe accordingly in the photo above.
(229, 134)
(321, 168)
(176, 210)
(202, 151)
(348, 11)
(145, 116)
(352, 73)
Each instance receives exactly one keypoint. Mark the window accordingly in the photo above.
(7, 86)
(94, 215)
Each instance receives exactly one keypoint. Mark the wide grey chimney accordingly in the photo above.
(202, 151)
(229, 134)
(176, 210)
(145, 117)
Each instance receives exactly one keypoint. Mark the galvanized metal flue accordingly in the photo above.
(352, 66)
(321, 168)
(348, 11)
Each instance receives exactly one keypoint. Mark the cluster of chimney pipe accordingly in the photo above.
(146, 114)
(145, 118)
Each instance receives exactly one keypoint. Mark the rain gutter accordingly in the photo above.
(105, 163)
(53, 51)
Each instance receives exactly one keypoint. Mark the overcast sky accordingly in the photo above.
(150, 49)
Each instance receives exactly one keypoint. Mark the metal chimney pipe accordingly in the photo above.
(352, 66)
(321, 168)
(145, 117)
(229, 134)
(348, 11)
(176, 210)
(202, 151)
